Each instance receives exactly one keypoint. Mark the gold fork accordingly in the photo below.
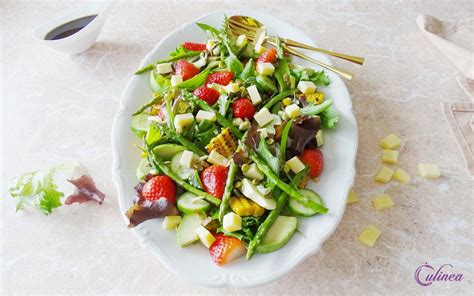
(255, 32)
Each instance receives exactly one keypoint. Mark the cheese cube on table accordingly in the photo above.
(183, 120)
(320, 138)
(390, 156)
(176, 79)
(265, 69)
(232, 222)
(293, 111)
(295, 164)
(241, 40)
(232, 88)
(186, 159)
(206, 238)
(171, 222)
(382, 202)
(254, 94)
(390, 142)
(353, 197)
(253, 172)
(384, 175)
(263, 117)
(307, 87)
(370, 235)
(401, 176)
(163, 68)
(428, 170)
(205, 115)
(259, 49)
(217, 158)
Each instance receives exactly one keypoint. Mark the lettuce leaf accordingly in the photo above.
(329, 117)
(306, 74)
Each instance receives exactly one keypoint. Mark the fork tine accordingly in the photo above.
(242, 31)
(238, 32)
(245, 26)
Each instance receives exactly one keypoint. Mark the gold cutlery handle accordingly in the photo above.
(354, 59)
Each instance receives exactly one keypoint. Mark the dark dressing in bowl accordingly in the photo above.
(69, 28)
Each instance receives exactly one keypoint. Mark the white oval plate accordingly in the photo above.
(193, 263)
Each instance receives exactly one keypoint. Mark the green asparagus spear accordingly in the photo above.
(151, 66)
(263, 228)
(183, 140)
(278, 98)
(228, 190)
(160, 166)
(221, 119)
(147, 105)
(284, 140)
(265, 169)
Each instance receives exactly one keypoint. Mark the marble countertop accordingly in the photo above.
(57, 108)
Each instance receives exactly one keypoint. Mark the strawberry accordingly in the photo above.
(243, 108)
(207, 94)
(160, 187)
(269, 56)
(314, 159)
(186, 69)
(213, 179)
(194, 46)
(226, 249)
(222, 78)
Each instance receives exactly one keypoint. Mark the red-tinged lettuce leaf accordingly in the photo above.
(241, 157)
(253, 138)
(85, 191)
(303, 135)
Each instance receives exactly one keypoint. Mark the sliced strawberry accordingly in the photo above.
(313, 158)
(194, 46)
(213, 179)
(160, 187)
(269, 56)
(209, 95)
(243, 108)
(226, 249)
(186, 69)
(222, 78)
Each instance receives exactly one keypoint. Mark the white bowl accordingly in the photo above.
(82, 40)
(194, 263)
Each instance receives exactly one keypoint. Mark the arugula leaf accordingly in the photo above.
(153, 135)
(314, 109)
(248, 71)
(330, 117)
(194, 82)
(180, 50)
(234, 64)
(267, 156)
(306, 74)
(159, 83)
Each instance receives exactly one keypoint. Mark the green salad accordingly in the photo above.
(230, 139)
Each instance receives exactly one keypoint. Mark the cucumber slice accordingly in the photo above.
(140, 124)
(278, 234)
(299, 209)
(178, 169)
(167, 151)
(189, 203)
(185, 233)
(266, 83)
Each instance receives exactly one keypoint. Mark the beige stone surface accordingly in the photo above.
(57, 108)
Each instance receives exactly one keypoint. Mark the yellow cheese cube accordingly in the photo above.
(265, 69)
(205, 115)
(183, 120)
(384, 175)
(186, 159)
(217, 158)
(320, 138)
(253, 172)
(176, 79)
(428, 170)
(295, 164)
(307, 87)
(391, 141)
(263, 117)
(382, 202)
(254, 94)
(293, 111)
(390, 156)
(232, 222)
(232, 88)
(163, 68)
(206, 238)
(401, 176)
(369, 236)
(353, 197)
(171, 222)
(259, 49)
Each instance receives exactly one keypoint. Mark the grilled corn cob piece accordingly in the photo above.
(317, 97)
(224, 143)
(245, 207)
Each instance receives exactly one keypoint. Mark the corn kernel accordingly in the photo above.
(287, 101)
(224, 143)
(369, 236)
(391, 141)
(317, 97)
(353, 197)
(428, 170)
(390, 156)
(382, 202)
(401, 176)
(384, 175)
